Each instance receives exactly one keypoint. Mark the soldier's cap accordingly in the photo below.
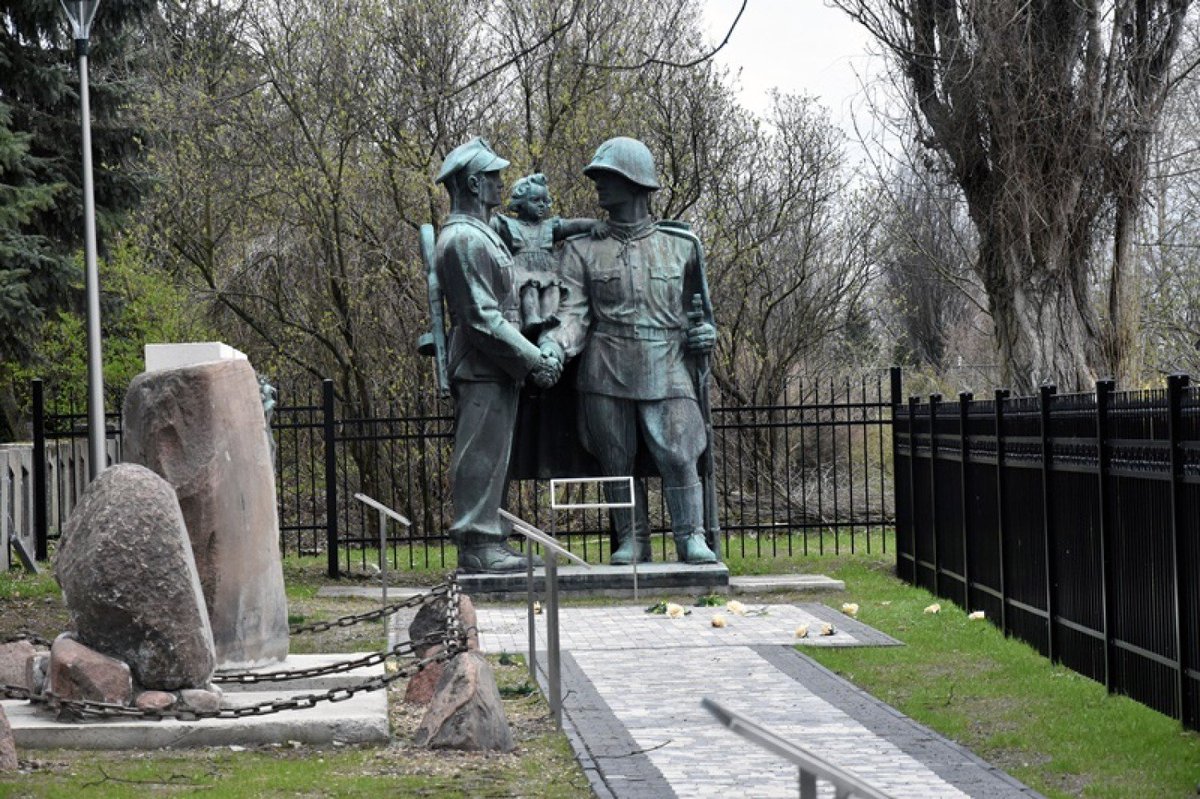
(474, 156)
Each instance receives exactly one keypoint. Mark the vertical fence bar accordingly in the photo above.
(912, 488)
(895, 385)
(1176, 383)
(1046, 395)
(331, 507)
(1104, 390)
(41, 526)
(964, 445)
(934, 401)
(1000, 397)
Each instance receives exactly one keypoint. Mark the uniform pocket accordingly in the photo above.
(606, 287)
(666, 285)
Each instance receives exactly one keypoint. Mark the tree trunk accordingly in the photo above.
(1044, 332)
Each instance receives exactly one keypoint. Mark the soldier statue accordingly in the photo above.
(629, 299)
(488, 358)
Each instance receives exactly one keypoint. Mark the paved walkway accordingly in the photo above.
(632, 684)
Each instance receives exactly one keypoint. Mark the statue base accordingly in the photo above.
(610, 581)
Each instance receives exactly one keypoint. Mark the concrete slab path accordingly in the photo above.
(632, 684)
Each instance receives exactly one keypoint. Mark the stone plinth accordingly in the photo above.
(615, 581)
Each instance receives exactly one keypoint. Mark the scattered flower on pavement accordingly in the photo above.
(675, 611)
(827, 629)
(718, 620)
(802, 631)
(735, 607)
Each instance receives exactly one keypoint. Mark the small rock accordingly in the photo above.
(154, 700)
(200, 700)
(8, 745)
(428, 625)
(78, 672)
(466, 712)
(421, 685)
(470, 622)
(14, 663)
(36, 669)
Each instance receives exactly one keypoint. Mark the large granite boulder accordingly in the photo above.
(466, 712)
(130, 582)
(202, 428)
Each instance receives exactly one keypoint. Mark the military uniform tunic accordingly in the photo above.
(487, 361)
(626, 315)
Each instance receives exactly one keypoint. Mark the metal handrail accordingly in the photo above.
(812, 767)
(552, 550)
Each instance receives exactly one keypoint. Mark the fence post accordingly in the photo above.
(894, 381)
(1104, 390)
(934, 401)
(1046, 397)
(41, 527)
(912, 488)
(964, 448)
(331, 507)
(1001, 395)
(1176, 383)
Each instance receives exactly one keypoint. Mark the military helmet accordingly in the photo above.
(627, 157)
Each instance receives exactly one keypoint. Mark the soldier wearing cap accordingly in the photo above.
(488, 358)
(628, 300)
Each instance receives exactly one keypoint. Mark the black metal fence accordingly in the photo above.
(1072, 520)
(810, 474)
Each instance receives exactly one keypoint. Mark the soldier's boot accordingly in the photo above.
(493, 557)
(686, 506)
(633, 536)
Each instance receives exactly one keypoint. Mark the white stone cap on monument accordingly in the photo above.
(175, 356)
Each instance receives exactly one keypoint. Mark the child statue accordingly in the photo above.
(531, 237)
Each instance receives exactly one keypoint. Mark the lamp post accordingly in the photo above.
(81, 13)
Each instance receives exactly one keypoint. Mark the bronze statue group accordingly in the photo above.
(625, 299)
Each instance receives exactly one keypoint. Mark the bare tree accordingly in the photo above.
(930, 299)
(1043, 112)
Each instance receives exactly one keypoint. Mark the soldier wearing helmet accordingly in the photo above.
(628, 300)
(488, 356)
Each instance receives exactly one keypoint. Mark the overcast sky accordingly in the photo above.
(800, 46)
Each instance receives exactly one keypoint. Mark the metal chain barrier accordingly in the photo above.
(453, 639)
(402, 649)
(431, 595)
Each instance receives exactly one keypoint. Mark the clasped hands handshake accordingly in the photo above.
(549, 369)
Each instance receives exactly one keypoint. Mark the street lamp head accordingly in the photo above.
(81, 13)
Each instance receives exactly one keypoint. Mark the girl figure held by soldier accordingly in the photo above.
(531, 237)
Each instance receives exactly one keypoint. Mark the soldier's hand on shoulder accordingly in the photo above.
(600, 230)
(701, 338)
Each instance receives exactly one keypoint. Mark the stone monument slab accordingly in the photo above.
(202, 428)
